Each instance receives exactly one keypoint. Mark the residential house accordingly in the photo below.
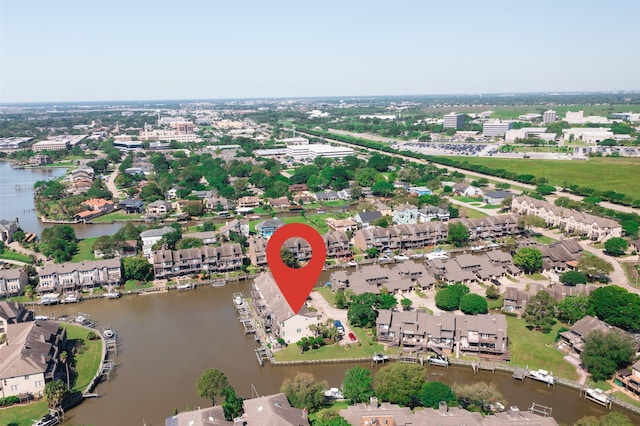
(630, 378)
(299, 248)
(275, 313)
(7, 229)
(99, 205)
(492, 227)
(298, 187)
(570, 221)
(345, 194)
(267, 227)
(248, 202)
(429, 213)
(371, 279)
(257, 251)
(365, 219)
(342, 225)
(267, 410)
(131, 205)
(73, 276)
(279, 203)
(466, 190)
(405, 214)
(152, 236)
(401, 237)
(13, 313)
(419, 190)
(207, 237)
(326, 196)
(30, 357)
(169, 264)
(579, 331)
(203, 195)
(171, 194)
(219, 205)
(39, 160)
(159, 208)
(496, 197)
(337, 245)
(12, 282)
(561, 255)
(240, 227)
(419, 331)
(384, 209)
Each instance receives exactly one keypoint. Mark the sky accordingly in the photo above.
(109, 50)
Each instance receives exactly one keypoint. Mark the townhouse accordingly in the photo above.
(12, 281)
(70, 276)
(168, 263)
(570, 221)
(445, 333)
(337, 244)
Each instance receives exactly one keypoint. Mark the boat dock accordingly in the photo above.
(107, 369)
(264, 354)
(540, 410)
(520, 373)
(489, 366)
(244, 313)
(598, 396)
(410, 359)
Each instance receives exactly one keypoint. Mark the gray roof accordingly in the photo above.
(159, 232)
(273, 410)
(498, 194)
(30, 348)
(368, 217)
(87, 265)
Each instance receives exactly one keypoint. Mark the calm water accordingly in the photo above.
(16, 200)
(168, 340)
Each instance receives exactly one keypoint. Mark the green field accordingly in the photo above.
(85, 250)
(598, 173)
(536, 349)
(470, 213)
(12, 255)
(110, 217)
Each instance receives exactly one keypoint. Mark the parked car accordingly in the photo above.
(339, 326)
(352, 337)
(401, 257)
(495, 281)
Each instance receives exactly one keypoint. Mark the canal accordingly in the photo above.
(167, 340)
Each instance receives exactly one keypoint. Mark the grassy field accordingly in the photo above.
(131, 285)
(12, 255)
(366, 347)
(599, 173)
(467, 199)
(85, 250)
(327, 293)
(536, 349)
(471, 213)
(110, 217)
(22, 415)
(543, 239)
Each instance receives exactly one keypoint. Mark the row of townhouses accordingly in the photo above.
(445, 333)
(172, 263)
(81, 275)
(336, 244)
(570, 221)
(403, 237)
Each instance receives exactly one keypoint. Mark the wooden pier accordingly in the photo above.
(107, 369)
(520, 373)
(540, 410)
(489, 366)
(264, 354)
(410, 359)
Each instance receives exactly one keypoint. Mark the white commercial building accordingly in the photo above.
(549, 116)
(589, 135)
(578, 118)
(300, 152)
(526, 132)
(453, 121)
(496, 128)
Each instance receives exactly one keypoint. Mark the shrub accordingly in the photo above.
(10, 400)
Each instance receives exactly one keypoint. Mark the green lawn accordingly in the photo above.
(537, 277)
(110, 217)
(331, 406)
(490, 207)
(131, 285)
(536, 349)
(366, 347)
(495, 304)
(467, 199)
(611, 173)
(471, 213)
(22, 415)
(327, 293)
(85, 250)
(543, 239)
(12, 255)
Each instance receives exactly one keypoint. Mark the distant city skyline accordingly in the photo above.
(112, 50)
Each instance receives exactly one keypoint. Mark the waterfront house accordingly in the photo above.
(172, 263)
(12, 281)
(365, 219)
(257, 251)
(131, 206)
(30, 358)
(12, 313)
(405, 214)
(7, 229)
(159, 208)
(217, 204)
(326, 196)
(279, 203)
(152, 236)
(337, 244)
(80, 275)
(630, 378)
(343, 225)
(240, 227)
(576, 336)
(275, 313)
(267, 227)
(248, 202)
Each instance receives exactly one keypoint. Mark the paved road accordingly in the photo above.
(331, 312)
(17, 247)
(551, 198)
(111, 184)
(489, 212)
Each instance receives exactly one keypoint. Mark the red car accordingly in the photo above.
(352, 337)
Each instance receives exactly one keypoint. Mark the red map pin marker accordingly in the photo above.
(296, 284)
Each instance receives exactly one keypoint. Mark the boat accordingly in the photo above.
(113, 294)
(47, 420)
(380, 357)
(333, 393)
(70, 297)
(438, 254)
(185, 287)
(50, 299)
(238, 300)
(543, 376)
(41, 317)
(438, 360)
(352, 263)
(598, 395)
(109, 333)
(400, 257)
(83, 319)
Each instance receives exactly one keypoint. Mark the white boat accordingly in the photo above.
(112, 294)
(50, 299)
(380, 358)
(401, 257)
(71, 297)
(238, 300)
(185, 287)
(598, 396)
(109, 334)
(47, 420)
(41, 317)
(543, 376)
(352, 263)
(438, 254)
(384, 259)
(438, 360)
(333, 393)
(83, 319)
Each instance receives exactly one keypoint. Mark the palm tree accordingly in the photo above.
(55, 391)
(64, 358)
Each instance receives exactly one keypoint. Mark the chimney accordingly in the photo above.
(305, 413)
(373, 401)
(442, 407)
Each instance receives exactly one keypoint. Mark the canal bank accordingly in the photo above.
(167, 340)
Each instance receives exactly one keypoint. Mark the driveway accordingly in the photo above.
(331, 312)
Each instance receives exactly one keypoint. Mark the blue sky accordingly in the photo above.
(94, 50)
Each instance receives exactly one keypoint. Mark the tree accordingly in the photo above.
(616, 246)
(433, 392)
(59, 242)
(363, 310)
(593, 266)
(304, 392)
(399, 383)
(449, 297)
(540, 312)
(357, 385)
(383, 221)
(341, 299)
(54, 392)
(529, 259)
(366, 176)
(615, 306)
(211, 384)
(406, 304)
(372, 252)
(545, 189)
(493, 292)
(573, 278)
(379, 162)
(288, 259)
(232, 405)
(458, 234)
(189, 242)
(473, 304)
(64, 358)
(382, 189)
(193, 208)
(605, 352)
(330, 418)
(137, 268)
(573, 308)
(478, 394)
(630, 228)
